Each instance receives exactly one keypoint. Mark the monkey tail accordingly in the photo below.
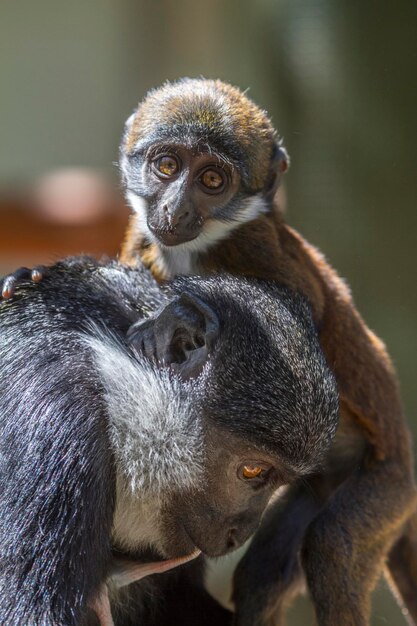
(402, 569)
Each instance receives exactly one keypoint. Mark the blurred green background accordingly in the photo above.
(338, 77)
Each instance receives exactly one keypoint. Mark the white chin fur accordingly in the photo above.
(181, 259)
(138, 205)
(214, 230)
(156, 439)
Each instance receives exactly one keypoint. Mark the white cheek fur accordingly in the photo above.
(155, 435)
(183, 259)
(138, 205)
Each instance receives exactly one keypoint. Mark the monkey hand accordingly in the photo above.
(9, 283)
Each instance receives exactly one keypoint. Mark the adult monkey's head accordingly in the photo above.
(199, 158)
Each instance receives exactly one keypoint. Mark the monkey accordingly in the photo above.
(201, 165)
(140, 424)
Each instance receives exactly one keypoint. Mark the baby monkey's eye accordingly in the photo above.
(167, 165)
(212, 180)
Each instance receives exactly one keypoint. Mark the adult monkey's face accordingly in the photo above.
(199, 158)
(258, 389)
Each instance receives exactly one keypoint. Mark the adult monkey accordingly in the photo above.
(109, 460)
(201, 164)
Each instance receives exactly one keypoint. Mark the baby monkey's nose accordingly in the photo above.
(175, 216)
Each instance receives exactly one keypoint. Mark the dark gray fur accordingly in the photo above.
(57, 470)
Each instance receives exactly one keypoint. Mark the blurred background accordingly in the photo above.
(338, 78)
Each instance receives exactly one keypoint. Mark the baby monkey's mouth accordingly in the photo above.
(170, 238)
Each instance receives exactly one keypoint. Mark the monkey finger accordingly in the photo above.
(9, 283)
(38, 273)
(23, 274)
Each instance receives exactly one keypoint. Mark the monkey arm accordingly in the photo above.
(270, 572)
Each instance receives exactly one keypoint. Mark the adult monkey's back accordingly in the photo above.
(201, 164)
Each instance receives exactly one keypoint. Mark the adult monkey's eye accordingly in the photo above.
(252, 471)
(212, 180)
(167, 165)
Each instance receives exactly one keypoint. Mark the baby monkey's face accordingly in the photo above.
(198, 158)
(184, 192)
(185, 188)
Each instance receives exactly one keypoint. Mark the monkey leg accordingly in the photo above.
(270, 575)
(346, 544)
(401, 568)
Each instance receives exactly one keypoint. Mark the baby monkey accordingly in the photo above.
(201, 164)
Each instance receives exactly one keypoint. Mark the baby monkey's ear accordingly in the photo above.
(180, 336)
(279, 163)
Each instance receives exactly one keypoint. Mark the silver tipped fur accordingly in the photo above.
(165, 452)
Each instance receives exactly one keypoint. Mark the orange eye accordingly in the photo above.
(212, 179)
(251, 471)
(167, 165)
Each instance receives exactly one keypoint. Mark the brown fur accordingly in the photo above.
(176, 103)
(268, 248)
(368, 493)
